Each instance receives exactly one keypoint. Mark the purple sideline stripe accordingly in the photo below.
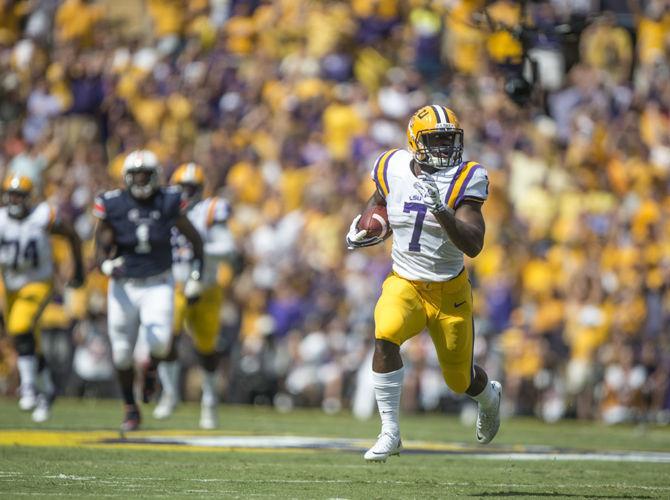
(453, 181)
(461, 193)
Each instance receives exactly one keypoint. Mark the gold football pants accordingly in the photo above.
(24, 308)
(406, 307)
(200, 319)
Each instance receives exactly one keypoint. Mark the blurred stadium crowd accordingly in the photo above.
(287, 103)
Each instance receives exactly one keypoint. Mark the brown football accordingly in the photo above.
(375, 221)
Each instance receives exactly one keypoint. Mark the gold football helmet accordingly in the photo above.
(435, 137)
(17, 191)
(191, 178)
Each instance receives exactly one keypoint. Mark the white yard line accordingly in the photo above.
(124, 483)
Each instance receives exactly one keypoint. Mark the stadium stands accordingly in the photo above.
(286, 103)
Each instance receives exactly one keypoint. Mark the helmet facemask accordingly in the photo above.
(142, 182)
(18, 203)
(191, 193)
(440, 148)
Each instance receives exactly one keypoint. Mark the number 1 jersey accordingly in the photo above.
(142, 228)
(25, 249)
(422, 250)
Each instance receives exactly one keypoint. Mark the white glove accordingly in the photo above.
(192, 290)
(112, 267)
(356, 238)
(431, 194)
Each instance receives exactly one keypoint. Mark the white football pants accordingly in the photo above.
(140, 305)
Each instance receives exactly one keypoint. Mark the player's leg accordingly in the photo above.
(156, 317)
(156, 307)
(399, 315)
(203, 323)
(452, 332)
(23, 310)
(123, 323)
(168, 369)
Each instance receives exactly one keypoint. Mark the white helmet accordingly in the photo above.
(141, 161)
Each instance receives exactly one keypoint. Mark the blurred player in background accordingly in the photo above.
(27, 272)
(134, 249)
(434, 200)
(201, 318)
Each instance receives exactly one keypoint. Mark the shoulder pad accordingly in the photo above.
(218, 211)
(114, 193)
(380, 170)
(470, 183)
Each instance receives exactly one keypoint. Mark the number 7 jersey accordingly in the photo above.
(422, 250)
(25, 247)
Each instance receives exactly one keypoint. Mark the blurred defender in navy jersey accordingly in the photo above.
(133, 249)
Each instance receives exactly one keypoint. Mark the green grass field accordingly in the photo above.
(72, 456)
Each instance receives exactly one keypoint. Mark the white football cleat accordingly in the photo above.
(488, 419)
(387, 444)
(28, 399)
(209, 419)
(42, 411)
(165, 407)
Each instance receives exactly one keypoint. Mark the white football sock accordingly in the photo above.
(168, 373)
(209, 397)
(487, 397)
(388, 387)
(27, 372)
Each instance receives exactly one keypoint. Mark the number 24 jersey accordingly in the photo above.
(422, 250)
(25, 247)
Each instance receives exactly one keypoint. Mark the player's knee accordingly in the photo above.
(209, 362)
(160, 350)
(122, 357)
(24, 344)
(457, 380)
(204, 348)
(388, 325)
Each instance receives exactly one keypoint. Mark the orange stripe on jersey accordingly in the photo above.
(211, 211)
(380, 172)
(457, 183)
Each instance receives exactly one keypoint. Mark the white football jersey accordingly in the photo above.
(422, 250)
(25, 247)
(209, 217)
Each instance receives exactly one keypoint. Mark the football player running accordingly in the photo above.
(133, 248)
(201, 318)
(433, 199)
(27, 272)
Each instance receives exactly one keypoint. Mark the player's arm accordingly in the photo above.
(465, 226)
(193, 286)
(105, 250)
(65, 229)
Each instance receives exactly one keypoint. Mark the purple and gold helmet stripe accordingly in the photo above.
(460, 182)
(440, 116)
(380, 169)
